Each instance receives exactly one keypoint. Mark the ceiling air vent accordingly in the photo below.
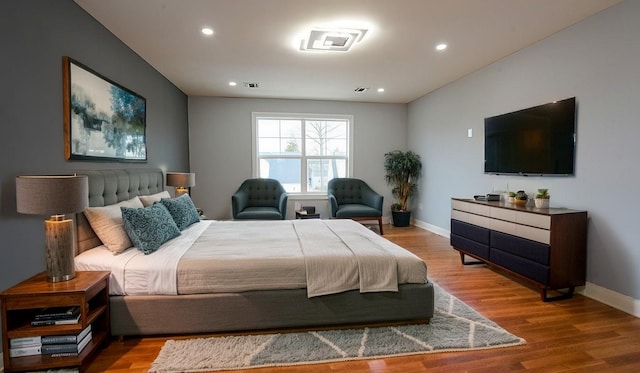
(361, 89)
(251, 85)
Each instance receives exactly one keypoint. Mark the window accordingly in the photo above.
(302, 151)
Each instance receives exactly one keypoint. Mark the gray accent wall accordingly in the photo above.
(34, 36)
(598, 62)
(220, 145)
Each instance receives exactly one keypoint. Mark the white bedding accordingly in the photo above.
(324, 256)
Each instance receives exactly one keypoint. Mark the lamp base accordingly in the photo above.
(59, 238)
(181, 190)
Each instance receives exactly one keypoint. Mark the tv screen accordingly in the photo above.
(535, 141)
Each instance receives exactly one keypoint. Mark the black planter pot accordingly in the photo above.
(401, 218)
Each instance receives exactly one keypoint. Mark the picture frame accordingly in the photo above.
(103, 121)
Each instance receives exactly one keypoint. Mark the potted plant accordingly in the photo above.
(512, 195)
(521, 198)
(542, 199)
(402, 171)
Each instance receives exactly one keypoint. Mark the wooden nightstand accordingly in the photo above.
(89, 290)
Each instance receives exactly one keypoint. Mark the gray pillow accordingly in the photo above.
(182, 210)
(149, 227)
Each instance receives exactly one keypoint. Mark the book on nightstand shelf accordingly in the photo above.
(50, 344)
(25, 351)
(69, 349)
(25, 342)
(65, 321)
(65, 339)
(57, 313)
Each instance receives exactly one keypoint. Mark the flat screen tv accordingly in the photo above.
(538, 141)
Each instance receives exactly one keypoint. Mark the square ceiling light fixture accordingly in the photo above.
(339, 40)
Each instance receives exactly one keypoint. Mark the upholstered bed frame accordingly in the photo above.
(202, 313)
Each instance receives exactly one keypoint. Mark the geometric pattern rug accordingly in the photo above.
(454, 327)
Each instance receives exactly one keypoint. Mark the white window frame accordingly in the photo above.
(255, 160)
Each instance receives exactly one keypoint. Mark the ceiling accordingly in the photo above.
(257, 41)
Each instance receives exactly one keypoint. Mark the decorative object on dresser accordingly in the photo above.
(542, 199)
(55, 196)
(521, 198)
(182, 181)
(546, 247)
(402, 172)
(39, 348)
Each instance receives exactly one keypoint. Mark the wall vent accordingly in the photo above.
(361, 89)
(251, 85)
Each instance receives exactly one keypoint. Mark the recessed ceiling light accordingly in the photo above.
(233, 84)
(207, 31)
(441, 46)
(380, 90)
(339, 40)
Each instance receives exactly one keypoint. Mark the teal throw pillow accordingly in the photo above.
(149, 227)
(182, 210)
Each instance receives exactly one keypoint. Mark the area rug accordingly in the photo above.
(454, 327)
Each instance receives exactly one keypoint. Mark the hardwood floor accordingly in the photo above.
(575, 335)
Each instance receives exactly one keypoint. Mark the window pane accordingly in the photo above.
(268, 146)
(291, 128)
(268, 128)
(326, 137)
(320, 171)
(291, 146)
(286, 170)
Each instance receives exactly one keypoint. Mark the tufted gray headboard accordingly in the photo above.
(107, 187)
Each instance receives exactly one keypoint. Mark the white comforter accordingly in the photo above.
(324, 256)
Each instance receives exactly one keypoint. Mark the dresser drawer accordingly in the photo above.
(527, 249)
(479, 209)
(534, 220)
(460, 205)
(470, 231)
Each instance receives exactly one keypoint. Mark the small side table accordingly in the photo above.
(89, 290)
(305, 215)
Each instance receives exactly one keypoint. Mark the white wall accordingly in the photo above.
(598, 61)
(220, 144)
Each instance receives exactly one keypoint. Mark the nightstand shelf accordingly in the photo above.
(89, 290)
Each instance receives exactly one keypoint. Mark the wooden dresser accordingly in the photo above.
(547, 247)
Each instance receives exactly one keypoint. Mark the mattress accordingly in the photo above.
(237, 256)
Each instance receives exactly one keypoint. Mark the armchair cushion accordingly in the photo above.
(260, 199)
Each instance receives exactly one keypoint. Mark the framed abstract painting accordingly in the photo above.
(103, 121)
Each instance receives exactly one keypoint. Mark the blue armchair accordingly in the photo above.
(354, 199)
(260, 199)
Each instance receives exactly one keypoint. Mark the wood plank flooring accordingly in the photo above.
(575, 335)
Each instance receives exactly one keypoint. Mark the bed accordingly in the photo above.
(288, 279)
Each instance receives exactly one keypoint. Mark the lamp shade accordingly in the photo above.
(181, 179)
(51, 195)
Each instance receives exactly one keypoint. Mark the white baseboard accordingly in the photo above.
(432, 228)
(603, 295)
(614, 299)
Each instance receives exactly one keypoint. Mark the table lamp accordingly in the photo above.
(182, 181)
(55, 196)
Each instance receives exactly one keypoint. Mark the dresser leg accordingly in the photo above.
(468, 263)
(563, 295)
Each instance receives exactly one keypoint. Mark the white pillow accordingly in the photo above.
(149, 200)
(107, 223)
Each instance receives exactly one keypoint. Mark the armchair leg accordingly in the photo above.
(380, 225)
